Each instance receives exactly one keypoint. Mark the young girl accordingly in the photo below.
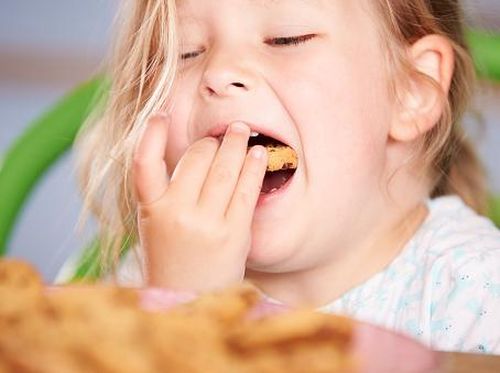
(379, 220)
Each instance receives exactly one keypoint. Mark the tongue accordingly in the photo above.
(275, 180)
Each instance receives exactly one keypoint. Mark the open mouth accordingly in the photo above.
(282, 162)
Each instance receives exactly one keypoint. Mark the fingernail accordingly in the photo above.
(239, 127)
(258, 152)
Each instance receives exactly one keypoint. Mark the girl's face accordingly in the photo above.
(324, 94)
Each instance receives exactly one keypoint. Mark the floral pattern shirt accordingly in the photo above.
(443, 288)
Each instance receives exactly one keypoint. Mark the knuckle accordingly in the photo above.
(222, 174)
(247, 194)
(213, 229)
(244, 197)
(201, 147)
(181, 221)
(139, 162)
(213, 232)
(157, 209)
(194, 224)
(218, 233)
(254, 173)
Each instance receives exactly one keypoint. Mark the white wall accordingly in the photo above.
(46, 47)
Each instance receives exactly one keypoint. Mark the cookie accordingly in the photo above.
(280, 157)
(20, 287)
(80, 329)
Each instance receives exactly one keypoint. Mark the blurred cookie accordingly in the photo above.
(20, 287)
(79, 329)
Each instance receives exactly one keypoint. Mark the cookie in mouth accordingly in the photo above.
(281, 165)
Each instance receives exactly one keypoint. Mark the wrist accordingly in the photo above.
(192, 281)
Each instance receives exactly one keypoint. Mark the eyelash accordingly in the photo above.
(279, 42)
(291, 40)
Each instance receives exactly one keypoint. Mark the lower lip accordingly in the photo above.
(268, 197)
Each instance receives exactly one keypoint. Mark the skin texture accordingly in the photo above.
(353, 201)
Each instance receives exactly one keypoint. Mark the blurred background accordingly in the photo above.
(48, 47)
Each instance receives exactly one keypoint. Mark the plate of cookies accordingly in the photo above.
(98, 328)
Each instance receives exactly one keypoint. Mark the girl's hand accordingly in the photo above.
(196, 228)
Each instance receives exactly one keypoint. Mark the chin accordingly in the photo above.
(270, 255)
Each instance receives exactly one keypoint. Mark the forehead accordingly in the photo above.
(336, 16)
(260, 3)
(186, 7)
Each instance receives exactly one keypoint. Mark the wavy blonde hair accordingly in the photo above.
(452, 161)
(142, 69)
(141, 72)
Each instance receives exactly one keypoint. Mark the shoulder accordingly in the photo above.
(463, 251)
(454, 230)
(455, 244)
(464, 307)
(463, 278)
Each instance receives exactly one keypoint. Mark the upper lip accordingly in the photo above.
(220, 129)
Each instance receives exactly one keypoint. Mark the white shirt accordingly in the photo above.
(443, 288)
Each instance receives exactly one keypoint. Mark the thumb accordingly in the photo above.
(149, 170)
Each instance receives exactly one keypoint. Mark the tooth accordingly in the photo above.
(254, 134)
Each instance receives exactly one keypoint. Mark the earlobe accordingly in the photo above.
(422, 99)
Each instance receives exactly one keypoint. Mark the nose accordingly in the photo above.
(227, 75)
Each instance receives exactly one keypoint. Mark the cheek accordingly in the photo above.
(342, 110)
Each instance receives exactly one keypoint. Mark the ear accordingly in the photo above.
(421, 104)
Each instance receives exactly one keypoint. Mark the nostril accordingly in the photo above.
(211, 91)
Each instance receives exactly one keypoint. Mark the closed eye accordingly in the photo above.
(278, 42)
(289, 40)
(188, 55)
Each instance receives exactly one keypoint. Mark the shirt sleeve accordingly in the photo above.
(465, 306)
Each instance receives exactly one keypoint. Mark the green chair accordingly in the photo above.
(37, 149)
(494, 212)
(53, 133)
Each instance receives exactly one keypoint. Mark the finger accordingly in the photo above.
(149, 170)
(225, 170)
(246, 194)
(192, 170)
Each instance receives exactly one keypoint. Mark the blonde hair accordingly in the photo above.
(454, 165)
(142, 70)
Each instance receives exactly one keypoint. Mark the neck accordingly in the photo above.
(323, 284)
